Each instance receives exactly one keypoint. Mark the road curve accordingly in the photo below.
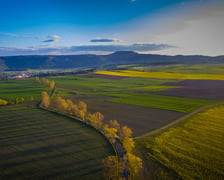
(178, 120)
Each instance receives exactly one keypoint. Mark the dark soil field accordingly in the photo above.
(140, 119)
(37, 144)
(204, 89)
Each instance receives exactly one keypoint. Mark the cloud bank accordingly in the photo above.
(12, 51)
(112, 48)
(104, 40)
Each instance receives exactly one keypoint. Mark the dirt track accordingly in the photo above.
(178, 120)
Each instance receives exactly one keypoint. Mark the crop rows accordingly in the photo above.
(37, 143)
(12, 89)
(194, 149)
(172, 103)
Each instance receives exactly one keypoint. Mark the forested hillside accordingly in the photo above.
(74, 61)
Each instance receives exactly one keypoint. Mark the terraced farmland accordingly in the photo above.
(35, 143)
(194, 149)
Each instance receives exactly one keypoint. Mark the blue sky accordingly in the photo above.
(104, 26)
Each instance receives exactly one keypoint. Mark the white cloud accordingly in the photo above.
(104, 40)
(195, 29)
(200, 32)
(52, 39)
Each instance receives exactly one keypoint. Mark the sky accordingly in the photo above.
(60, 27)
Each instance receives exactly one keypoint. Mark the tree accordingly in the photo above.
(82, 106)
(3, 102)
(82, 109)
(113, 168)
(82, 114)
(114, 124)
(51, 85)
(37, 79)
(74, 110)
(17, 101)
(97, 119)
(88, 117)
(45, 99)
(45, 81)
(133, 165)
(70, 104)
(111, 133)
(126, 132)
(128, 144)
(31, 98)
(21, 100)
(60, 104)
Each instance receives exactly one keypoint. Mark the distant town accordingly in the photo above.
(29, 74)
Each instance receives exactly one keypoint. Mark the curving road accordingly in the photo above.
(178, 120)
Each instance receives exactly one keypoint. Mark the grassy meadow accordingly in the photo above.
(193, 149)
(12, 89)
(39, 144)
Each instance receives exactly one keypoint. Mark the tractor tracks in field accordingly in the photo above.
(178, 120)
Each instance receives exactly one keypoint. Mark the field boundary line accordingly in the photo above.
(178, 120)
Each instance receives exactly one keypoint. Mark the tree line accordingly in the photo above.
(46, 82)
(116, 167)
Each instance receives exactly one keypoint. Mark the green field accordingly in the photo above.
(102, 85)
(186, 69)
(194, 149)
(124, 91)
(12, 89)
(39, 144)
(171, 103)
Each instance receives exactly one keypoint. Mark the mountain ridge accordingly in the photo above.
(91, 60)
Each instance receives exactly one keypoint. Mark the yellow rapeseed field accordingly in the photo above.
(162, 75)
(195, 149)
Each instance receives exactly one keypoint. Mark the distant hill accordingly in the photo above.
(121, 57)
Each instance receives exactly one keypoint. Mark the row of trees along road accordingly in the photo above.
(116, 168)
(46, 82)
